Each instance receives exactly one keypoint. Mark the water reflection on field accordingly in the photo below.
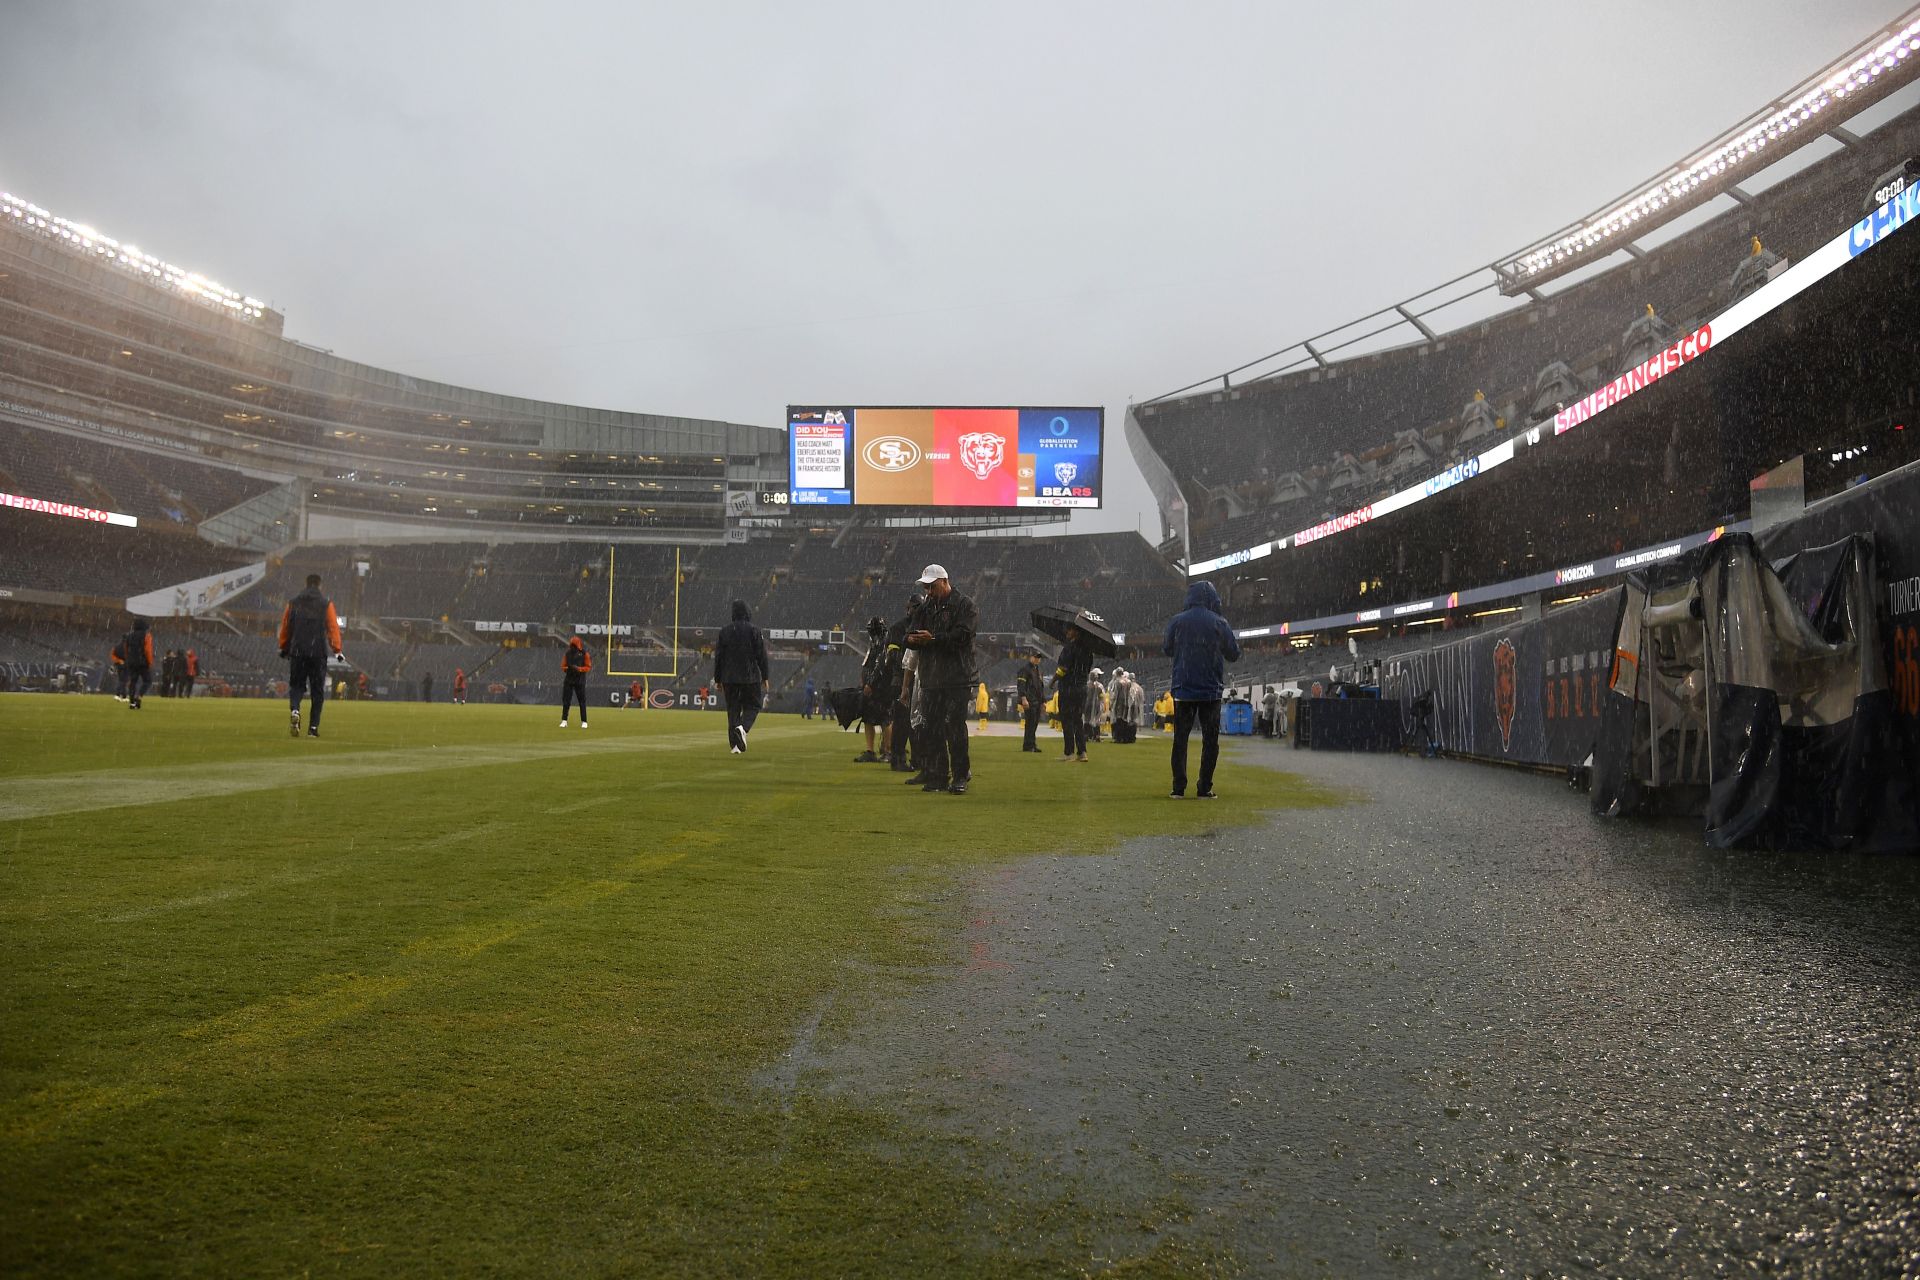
(1459, 1025)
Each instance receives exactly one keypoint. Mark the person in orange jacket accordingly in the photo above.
(460, 686)
(309, 630)
(119, 656)
(136, 650)
(575, 663)
(192, 674)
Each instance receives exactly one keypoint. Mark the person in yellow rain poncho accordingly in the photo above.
(980, 705)
(1163, 711)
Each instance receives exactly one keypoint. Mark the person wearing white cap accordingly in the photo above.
(943, 637)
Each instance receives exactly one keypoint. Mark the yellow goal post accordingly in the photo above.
(618, 653)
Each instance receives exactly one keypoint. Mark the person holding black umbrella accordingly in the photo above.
(1072, 672)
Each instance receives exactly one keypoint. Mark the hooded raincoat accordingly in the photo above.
(1201, 644)
(740, 656)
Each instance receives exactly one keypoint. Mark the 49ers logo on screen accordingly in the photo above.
(981, 452)
(891, 453)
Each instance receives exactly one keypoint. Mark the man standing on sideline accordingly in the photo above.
(1071, 675)
(944, 640)
(190, 671)
(741, 669)
(137, 648)
(309, 631)
(426, 687)
(460, 686)
(1201, 644)
(1033, 695)
(575, 664)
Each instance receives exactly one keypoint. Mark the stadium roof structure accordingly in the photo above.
(1876, 67)
(80, 238)
(1819, 106)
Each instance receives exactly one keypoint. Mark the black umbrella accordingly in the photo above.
(848, 705)
(1054, 620)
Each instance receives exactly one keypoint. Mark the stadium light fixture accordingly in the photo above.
(82, 238)
(1870, 72)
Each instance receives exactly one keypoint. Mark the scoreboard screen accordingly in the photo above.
(877, 456)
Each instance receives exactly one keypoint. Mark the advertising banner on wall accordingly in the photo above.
(1529, 694)
(199, 595)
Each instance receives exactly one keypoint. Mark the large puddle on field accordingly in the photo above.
(1461, 1025)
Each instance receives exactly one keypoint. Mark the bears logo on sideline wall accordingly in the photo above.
(981, 452)
(1506, 689)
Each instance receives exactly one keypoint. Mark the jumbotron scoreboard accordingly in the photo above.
(891, 456)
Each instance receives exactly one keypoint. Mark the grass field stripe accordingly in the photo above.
(271, 1023)
(214, 897)
(49, 1110)
(592, 802)
(52, 795)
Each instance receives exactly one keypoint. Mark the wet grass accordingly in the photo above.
(503, 1011)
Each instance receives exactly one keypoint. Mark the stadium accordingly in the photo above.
(1635, 508)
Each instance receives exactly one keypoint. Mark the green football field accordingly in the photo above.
(451, 989)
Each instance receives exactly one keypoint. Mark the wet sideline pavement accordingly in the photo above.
(1455, 1028)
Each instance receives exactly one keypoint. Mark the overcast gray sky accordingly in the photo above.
(718, 209)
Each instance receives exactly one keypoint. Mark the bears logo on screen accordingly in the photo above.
(981, 452)
(1064, 472)
(1506, 690)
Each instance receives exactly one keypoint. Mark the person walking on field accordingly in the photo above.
(575, 664)
(137, 648)
(460, 686)
(741, 669)
(309, 632)
(1201, 644)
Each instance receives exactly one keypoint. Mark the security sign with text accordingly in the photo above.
(919, 457)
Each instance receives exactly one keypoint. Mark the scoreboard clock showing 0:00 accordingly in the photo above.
(882, 456)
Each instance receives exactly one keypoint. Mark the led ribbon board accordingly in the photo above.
(72, 511)
(880, 456)
(1890, 217)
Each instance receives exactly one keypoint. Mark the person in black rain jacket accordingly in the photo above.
(741, 669)
(943, 637)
